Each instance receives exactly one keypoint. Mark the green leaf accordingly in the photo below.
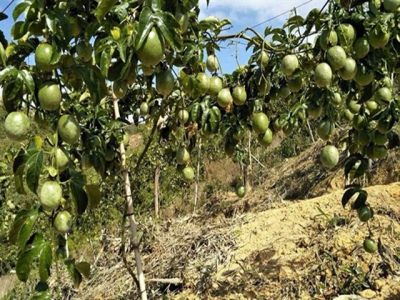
(64, 23)
(347, 195)
(105, 60)
(9, 71)
(45, 295)
(34, 168)
(3, 57)
(83, 268)
(94, 81)
(51, 22)
(28, 80)
(45, 261)
(94, 194)
(25, 259)
(19, 9)
(122, 50)
(103, 8)
(19, 29)
(78, 193)
(361, 200)
(3, 16)
(12, 88)
(145, 26)
(22, 227)
(19, 180)
(73, 272)
(167, 23)
(41, 286)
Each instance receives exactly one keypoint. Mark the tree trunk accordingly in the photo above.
(157, 190)
(129, 212)
(196, 187)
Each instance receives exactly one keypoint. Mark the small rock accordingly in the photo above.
(369, 294)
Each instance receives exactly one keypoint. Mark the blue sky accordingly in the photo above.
(242, 13)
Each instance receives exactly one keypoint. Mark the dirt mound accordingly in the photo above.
(301, 250)
(313, 250)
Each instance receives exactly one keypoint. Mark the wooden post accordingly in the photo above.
(196, 187)
(157, 190)
(248, 168)
(129, 211)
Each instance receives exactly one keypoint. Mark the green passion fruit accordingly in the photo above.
(69, 129)
(17, 126)
(50, 195)
(49, 96)
(260, 122)
(329, 156)
(152, 50)
(239, 95)
(289, 64)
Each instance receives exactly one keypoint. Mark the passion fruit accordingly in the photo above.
(16, 126)
(43, 56)
(328, 38)
(120, 88)
(203, 83)
(239, 95)
(336, 57)
(346, 34)
(263, 86)
(295, 84)
(188, 174)
(69, 129)
(61, 159)
(391, 5)
(152, 50)
(265, 139)
(378, 38)
(384, 94)
(212, 63)
(84, 51)
(240, 191)
(364, 213)
(379, 151)
(284, 92)
(379, 138)
(183, 116)
(289, 64)
(182, 156)
(49, 96)
(325, 129)
(361, 48)
(63, 222)
(50, 195)
(144, 109)
(215, 86)
(224, 98)
(364, 76)
(260, 122)
(349, 69)
(323, 75)
(165, 82)
(329, 156)
(370, 245)
(262, 59)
